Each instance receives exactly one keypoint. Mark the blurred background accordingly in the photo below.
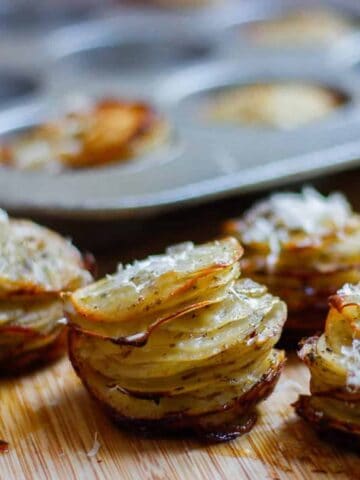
(219, 102)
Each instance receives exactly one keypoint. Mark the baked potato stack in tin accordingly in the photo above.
(283, 105)
(36, 265)
(178, 342)
(304, 247)
(108, 132)
(334, 362)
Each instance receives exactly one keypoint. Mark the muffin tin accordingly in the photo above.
(31, 16)
(14, 86)
(176, 60)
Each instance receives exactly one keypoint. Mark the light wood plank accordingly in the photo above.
(50, 423)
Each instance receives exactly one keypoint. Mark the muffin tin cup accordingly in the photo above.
(34, 16)
(17, 87)
(178, 68)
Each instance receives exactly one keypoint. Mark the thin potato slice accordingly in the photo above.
(236, 327)
(224, 423)
(157, 284)
(334, 363)
(30, 334)
(201, 401)
(39, 315)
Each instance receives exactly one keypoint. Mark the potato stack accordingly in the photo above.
(107, 132)
(334, 362)
(304, 247)
(36, 265)
(178, 342)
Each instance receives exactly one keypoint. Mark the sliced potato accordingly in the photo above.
(334, 363)
(223, 423)
(207, 400)
(35, 261)
(178, 341)
(230, 331)
(36, 265)
(160, 283)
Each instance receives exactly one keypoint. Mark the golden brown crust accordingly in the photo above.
(117, 126)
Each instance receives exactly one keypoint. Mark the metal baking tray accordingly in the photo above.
(175, 60)
(35, 16)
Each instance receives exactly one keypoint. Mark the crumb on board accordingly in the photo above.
(95, 448)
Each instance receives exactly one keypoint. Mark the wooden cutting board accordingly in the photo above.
(51, 426)
(51, 423)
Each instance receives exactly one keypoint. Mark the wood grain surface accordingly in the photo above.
(51, 424)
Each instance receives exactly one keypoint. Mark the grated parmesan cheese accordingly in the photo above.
(350, 293)
(141, 273)
(95, 448)
(274, 221)
(308, 211)
(352, 362)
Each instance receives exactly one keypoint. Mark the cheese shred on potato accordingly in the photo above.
(334, 362)
(178, 342)
(36, 265)
(304, 247)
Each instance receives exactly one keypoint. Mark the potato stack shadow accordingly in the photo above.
(178, 342)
